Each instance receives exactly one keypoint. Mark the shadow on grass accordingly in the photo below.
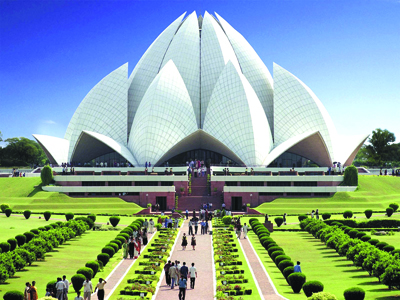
(373, 283)
(394, 297)
(330, 256)
(353, 270)
(361, 276)
(36, 190)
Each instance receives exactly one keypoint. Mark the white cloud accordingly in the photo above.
(49, 122)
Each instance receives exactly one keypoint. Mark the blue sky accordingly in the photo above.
(53, 52)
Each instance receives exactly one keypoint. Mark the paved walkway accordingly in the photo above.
(260, 275)
(202, 258)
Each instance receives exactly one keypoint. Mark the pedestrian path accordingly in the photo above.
(265, 284)
(202, 258)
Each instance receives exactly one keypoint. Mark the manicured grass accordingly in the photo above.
(323, 264)
(393, 240)
(18, 187)
(65, 260)
(374, 192)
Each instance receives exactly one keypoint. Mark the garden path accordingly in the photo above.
(202, 258)
(119, 272)
(260, 275)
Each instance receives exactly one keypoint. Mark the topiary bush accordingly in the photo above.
(350, 176)
(280, 258)
(296, 281)
(47, 215)
(92, 217)
(278, 221)
(94, 265)
(77, 281)
(35, 231)
(287, 271)
(227, 220)
(5, 247)
(114, 221)
(29, 236)
(311, 287)
(322, 296)
(3, 207)
(46, 175)
(396, 251)
(13, 295)
(69, 216)
(381, 245)
(284, 264)
(365, 238)
(353, 233)
(114, 246)
(347, 214)
(395, 206)
(27, 214)
(13, 244)
(21, 239)
(359, 235)
(368, 213)
(85, 271)
(389, 211)
(273, 249)
(104, 258)
(388, 248)
(302, 217)
(8, 212)
(51, 286)
(326, 216)
(276, 254)
(354, 293)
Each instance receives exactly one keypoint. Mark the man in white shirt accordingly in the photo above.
(66, 287)
(60, 288)
(193, 275)
(87, 289)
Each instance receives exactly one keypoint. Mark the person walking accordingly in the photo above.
(100, 289)
(87, 289)
(184, 271)
(238, 230)
(60, 289)
(245, 229)
(187, 214)
(66, 287)
(166, 270)
(151, 225)
(125, 249)
(203, 226)
(146, 224)
(33, 291)
(182, 288)
(196, 226)
(131, 247)
(284, 219)
(184, 241)
(193, 275)
(297, 268)
(27, 295)
(190, 228)
(78, 296)
(193, 242)
(144, 237)
(173, 274)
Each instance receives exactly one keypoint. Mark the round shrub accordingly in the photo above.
(47, 215)
(273, 249)
(109, 250)
(284, 264)
(21, 239)
(27, 214)
(263, 236)
(395, 206)
(227, 220)
(287, 271)
(267, 242)
(118, 242)
(94, 265)
(322, 296)
(114, 221)
(388, 248)
(104, 258)
(347, 214)
(121, 239)
(5, 247)
(326, 216)
(114, 246)
(381, 245)
(365, 238)
(51, 286)
(280, 258)
(373, 242)
(302, 217)
(278, 221)
(389, 211)
(124, 235)
(77, 281)
(48, 227)
(3, 207)
(276, 254)
(46, 175)
(396, 251)
(69, 216)
(8, 212)
(354, 293)
(360, 235)
(35, 231)
(85, 271)
(92, 217)
(368, 213)
(13, 295)
(29, 236)
(273, 244)
(13, 244)
(127, 230)
(353, 233)
(350, 177)
(311, 287)
(296, 281)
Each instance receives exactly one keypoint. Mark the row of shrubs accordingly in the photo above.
(381, 262)
(33, 245)
(382, 223)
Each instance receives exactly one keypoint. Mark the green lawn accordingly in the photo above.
(65, 260)
(320, 263)
(21, 194)
(374, 192)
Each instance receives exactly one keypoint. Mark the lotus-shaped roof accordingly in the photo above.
(200, 84)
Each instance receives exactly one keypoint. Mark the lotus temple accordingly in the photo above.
(200, 91)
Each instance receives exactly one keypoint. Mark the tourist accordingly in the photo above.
(193, 243)
(100, 288)
(203, 171)
(297, 268)
(60, 289)
(312, 214)
(284, 219)
(245, 229)
(238, 229)
(166, 270)
(203, 226)
(184, 241)
(150, 165)
(166, 171)
(146, 171)
(145, 164)
(48, 293)
(193, 275)
(151, 224)
(136, 245)
(187, 214)
(87, 289)
(184, 271)
(190, 228)
(317, 214)
(206, 227)
(78, 296)
(131, 247)
(144, 237)
(33, 291)
(173, 274)
(182, 288)
(66, 287)
(27, 295)
(146, 224)
(125, 249)
(196, 226)
(176, 223)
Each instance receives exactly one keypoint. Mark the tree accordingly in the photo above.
(21, 151)
(1, 137)
(380, 145)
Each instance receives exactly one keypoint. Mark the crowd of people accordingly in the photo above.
(178, 275)
(197, 168)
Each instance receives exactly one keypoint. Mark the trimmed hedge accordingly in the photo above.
(47, 215)
(46, 175)
(77, 281)
(350, 176)
(284, 264)
(13, 295)
(395, 206)
(8, 212)
(21, 239)
(296, 281)
(278, 221)
(276, 254)
(27, 214)
(114, 221)
(5, 247)
(85, 271)
(29, 236)
(280, 258)
(13, 244)
(322, 296)
(94, 265)
(311, 287)
(389, 211)
(69, 216)
(354, 293)
(368, 213)
(326, 216)
(347, 214)
(104, 258)
(302, 217)
(287, 271)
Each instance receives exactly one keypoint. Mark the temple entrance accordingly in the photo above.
(162, 201)
(236, 203)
